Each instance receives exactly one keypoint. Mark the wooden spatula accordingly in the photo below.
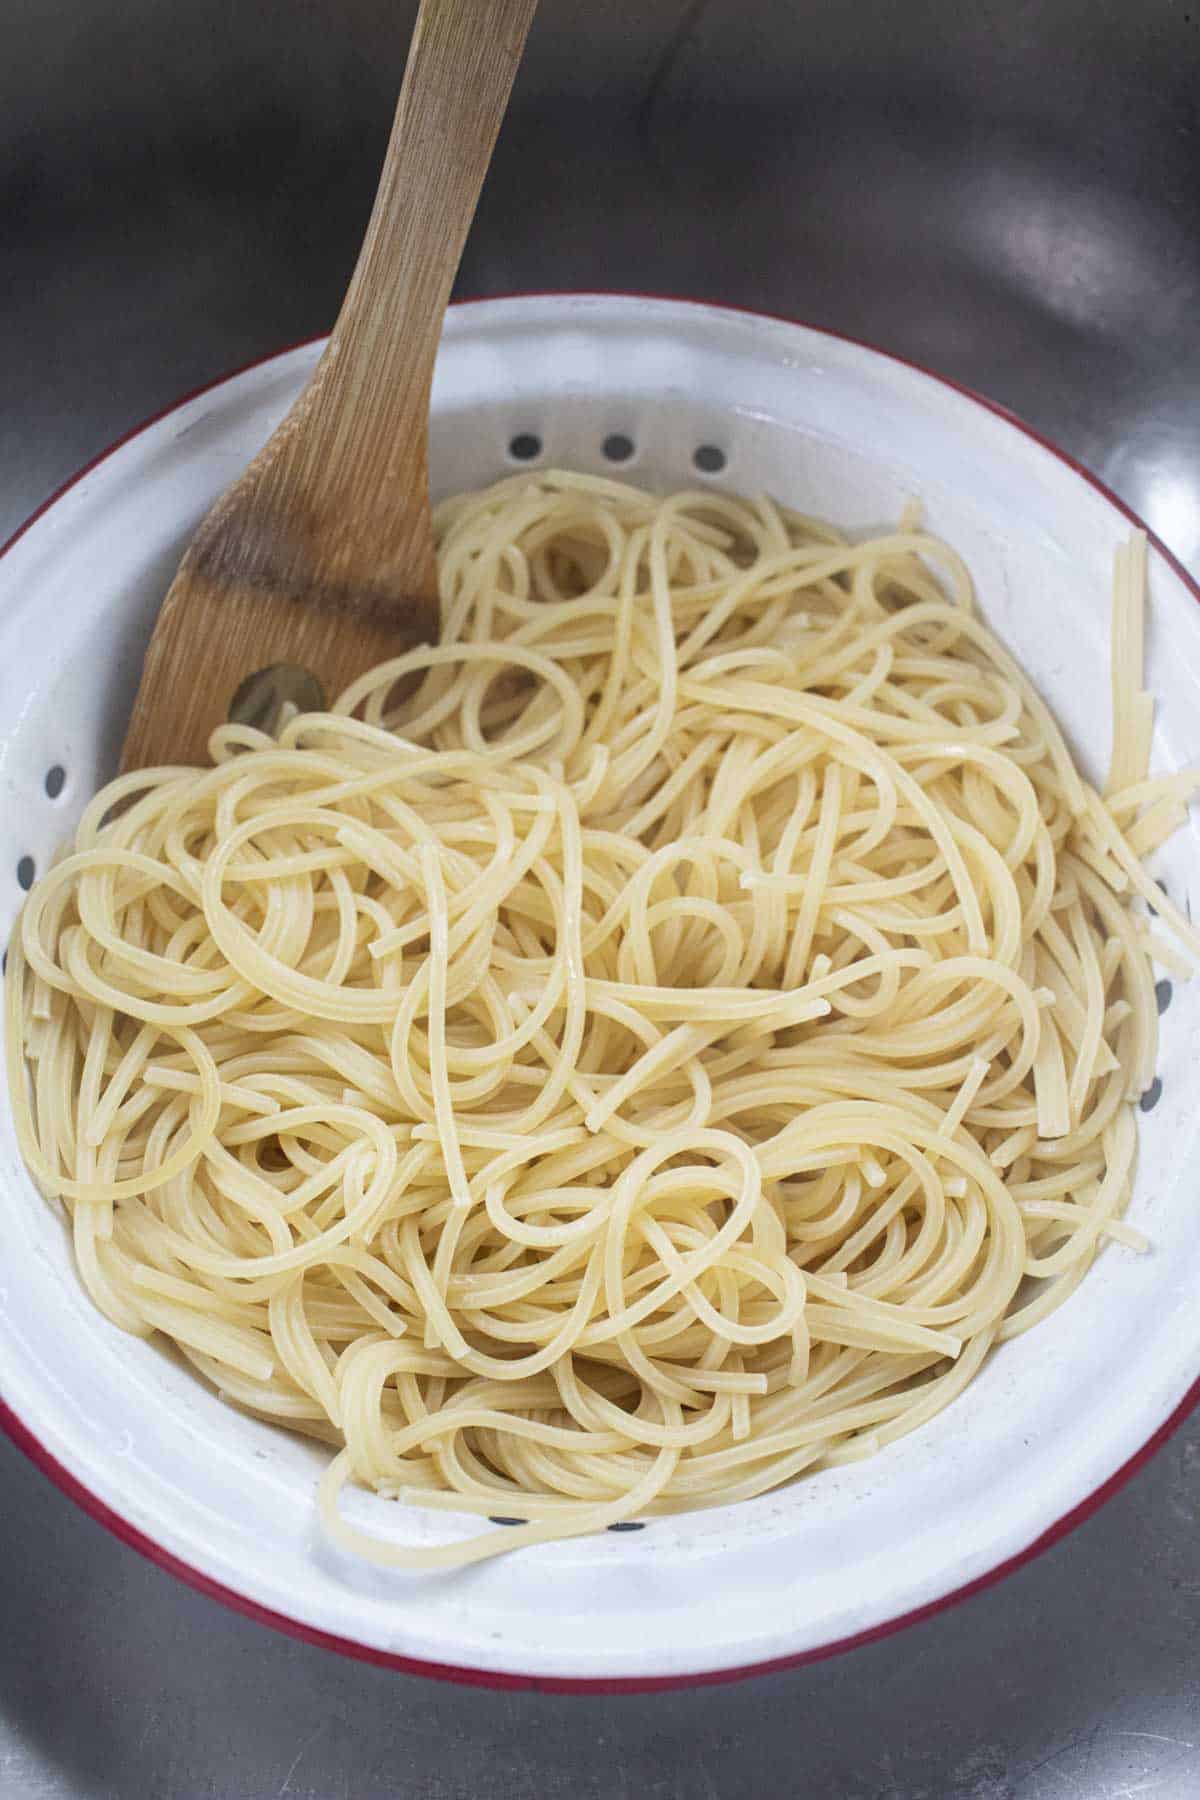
(320, 557)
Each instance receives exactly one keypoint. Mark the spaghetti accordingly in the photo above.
(662, 1054)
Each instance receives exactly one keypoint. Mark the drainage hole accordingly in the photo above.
(710, 459)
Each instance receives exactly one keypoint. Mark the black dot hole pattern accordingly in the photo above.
(624, 1525)
(56, 780)
(617, 447)
(26, 870)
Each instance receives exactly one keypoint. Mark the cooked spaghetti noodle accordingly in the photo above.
(661, 1054)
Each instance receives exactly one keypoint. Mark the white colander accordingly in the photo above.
(671, 395)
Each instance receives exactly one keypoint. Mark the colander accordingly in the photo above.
(668, 394)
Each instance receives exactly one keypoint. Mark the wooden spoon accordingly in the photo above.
(320, 556)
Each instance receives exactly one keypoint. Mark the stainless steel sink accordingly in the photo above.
(1008, 193)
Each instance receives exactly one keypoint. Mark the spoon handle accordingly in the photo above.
(320, 556)
(367, 410)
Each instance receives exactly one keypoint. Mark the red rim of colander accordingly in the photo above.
(27, 1441)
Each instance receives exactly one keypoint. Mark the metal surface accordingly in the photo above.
(1008, 193)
